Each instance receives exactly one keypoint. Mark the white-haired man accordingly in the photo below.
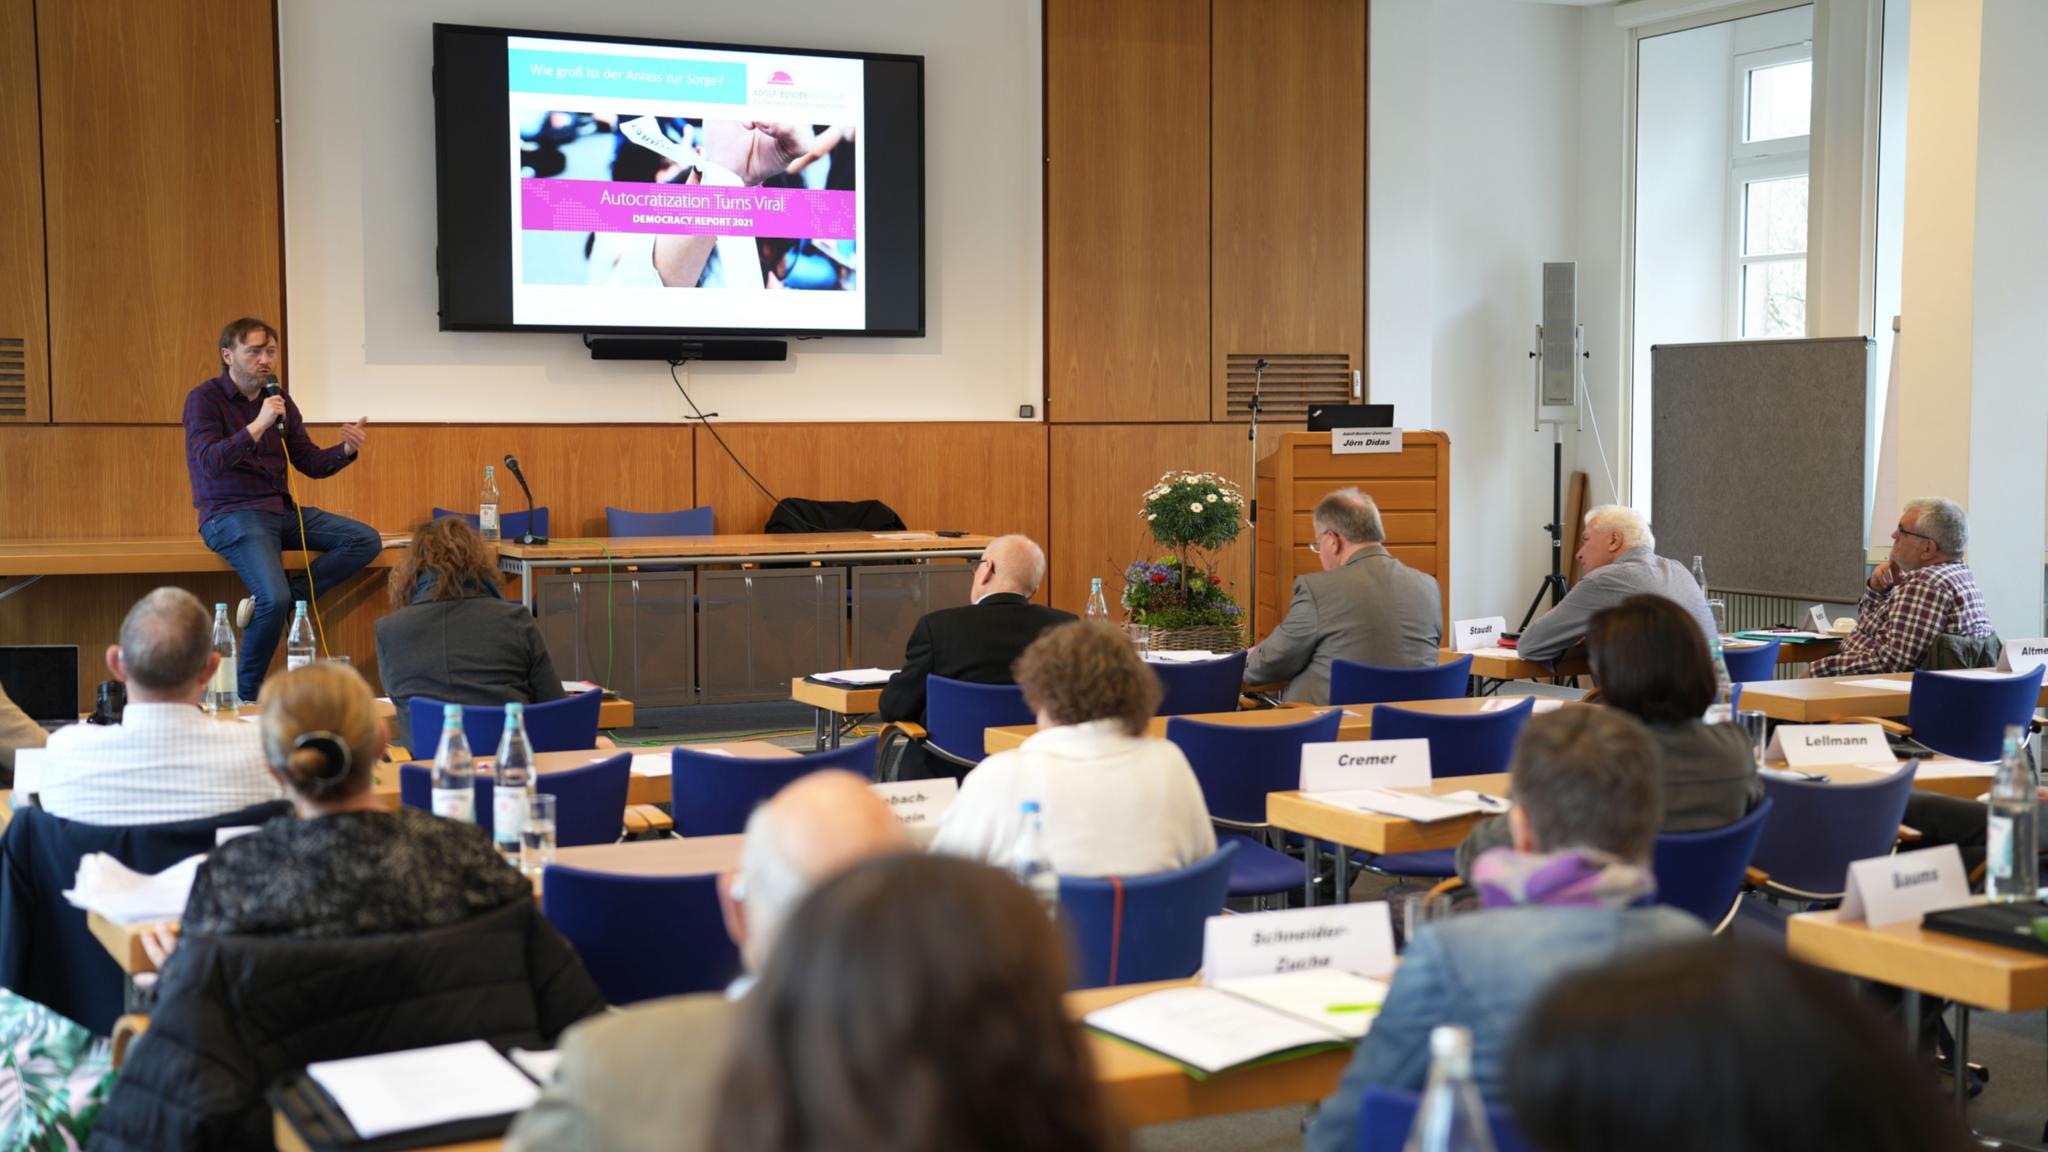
(647, 1077)
(1924, 591)
(1617, 559)
(976, 642)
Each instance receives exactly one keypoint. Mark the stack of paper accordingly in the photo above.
(857, 677)
(1181, 656)
(1407, 805)
(1237, 1022)
(404, 1091)
(124, 896)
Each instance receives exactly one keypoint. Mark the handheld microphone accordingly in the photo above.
(512, 466)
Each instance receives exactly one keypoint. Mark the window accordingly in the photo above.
(1768, 166)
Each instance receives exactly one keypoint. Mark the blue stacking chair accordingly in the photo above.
(642, 936)
(1471, 745)
(713, 795)
(564, 725)
(1127, 930)
(1745, 664)
(416, 790)
(1386, 1114)
(1701, 872)
(1966, 716)
(590, 802)
(688, 522)
(957, 714)
(511, 525)
(1355, 683)
(1237, 765)
(1210, 686)
(1816, 830)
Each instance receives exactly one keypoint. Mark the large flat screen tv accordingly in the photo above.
(591, 184)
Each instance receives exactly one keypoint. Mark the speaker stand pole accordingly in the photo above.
(1554, 583)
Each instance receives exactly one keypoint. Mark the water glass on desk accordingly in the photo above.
(1757, 726)
(1719, 609)
(1420, 908)
(537, 835)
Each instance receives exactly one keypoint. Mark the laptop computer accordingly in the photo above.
(1324, 417)
(42, 680)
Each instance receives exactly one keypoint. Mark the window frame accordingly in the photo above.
(1752, 161)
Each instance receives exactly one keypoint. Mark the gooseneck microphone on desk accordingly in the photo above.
(526, 537)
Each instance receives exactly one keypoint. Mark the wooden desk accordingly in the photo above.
(525, 561)
(1495, 666)
(1356, 725)
(1138, 1087)
(1820, 699)
(612, 712)
(1374, 832)
(831, 704)
(639, 789)
(133, 555)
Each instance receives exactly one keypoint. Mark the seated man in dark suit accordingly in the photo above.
(976, 643)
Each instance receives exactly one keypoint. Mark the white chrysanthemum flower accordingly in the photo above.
(1150, 516)
(1211, 498)
(1195, 507)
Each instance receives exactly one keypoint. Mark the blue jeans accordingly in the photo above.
(254, 542)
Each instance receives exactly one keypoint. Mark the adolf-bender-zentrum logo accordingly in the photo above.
(780, 78)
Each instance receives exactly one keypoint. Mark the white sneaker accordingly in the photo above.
(245, 612)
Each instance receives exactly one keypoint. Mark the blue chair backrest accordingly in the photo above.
(1237, 764)
(642, 936)
(1210, 686)
(1355, 683)
(1815, 831)
(1701, 872)
(688, 522)
(564, 725)
(1152, 930)
(590, 802)
(511, 525)
(416, 790)
(1760, 663)
(1966, 716)
(1468, 745)
(957, 713)
(1386, 1114)
(712, 795)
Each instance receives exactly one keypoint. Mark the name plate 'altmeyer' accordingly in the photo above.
(2023, 655)
(1888, 889)
(1349, 765)
(1819, 745)
(1472, 635)
(1353, 441)
(918, 803)
(1341, 937)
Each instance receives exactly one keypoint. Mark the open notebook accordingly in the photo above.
(1233, 1023)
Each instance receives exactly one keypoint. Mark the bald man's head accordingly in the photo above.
(1010, 564)
(814, 829)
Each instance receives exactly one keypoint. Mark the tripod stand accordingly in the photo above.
(1555, 584)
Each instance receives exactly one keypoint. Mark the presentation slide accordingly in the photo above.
(665, 188)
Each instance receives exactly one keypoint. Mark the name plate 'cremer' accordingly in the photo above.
(1349, 765)
(1820, 745)
(1353, 441)
(1341, 937)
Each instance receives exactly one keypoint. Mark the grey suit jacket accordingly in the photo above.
(646, 1077)
(1374, 610)
(1636, 570)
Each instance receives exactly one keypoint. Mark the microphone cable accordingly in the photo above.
(773, 500)
(291, 487)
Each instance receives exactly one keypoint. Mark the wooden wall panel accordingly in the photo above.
(1127, 210)
(1288, 240)
(24, 327)
(1099, 477)
(974, 477)
(160, 167)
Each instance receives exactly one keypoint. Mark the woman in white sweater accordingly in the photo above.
(1114, 801)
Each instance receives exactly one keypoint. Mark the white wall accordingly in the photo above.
(1487, 98)
(361, 332)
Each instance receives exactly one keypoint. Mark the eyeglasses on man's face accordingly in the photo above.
(1905, 531)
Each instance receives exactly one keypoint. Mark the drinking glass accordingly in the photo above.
(1756, 725)
(537, 836)
(1719, 608)
(1420, 908)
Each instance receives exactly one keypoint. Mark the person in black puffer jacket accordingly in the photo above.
(346, 931)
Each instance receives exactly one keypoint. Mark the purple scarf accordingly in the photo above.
(1577, 877)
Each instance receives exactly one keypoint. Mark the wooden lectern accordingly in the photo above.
(1412, 488)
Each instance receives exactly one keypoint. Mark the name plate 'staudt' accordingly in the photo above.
(1472, 635)
(1890, 889)
(1341, 937)
(1821, 745)
(1348, 765)
(1353, 441)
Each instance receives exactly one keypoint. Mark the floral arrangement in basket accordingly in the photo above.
(1193, 513)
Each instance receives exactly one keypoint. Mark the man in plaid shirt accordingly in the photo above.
(237, 442)
(1924, 591)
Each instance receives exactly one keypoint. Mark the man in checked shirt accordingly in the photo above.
(1924, 591)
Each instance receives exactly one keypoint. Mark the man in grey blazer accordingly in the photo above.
(1364, 606)
(648, 1077)
(1618, 559)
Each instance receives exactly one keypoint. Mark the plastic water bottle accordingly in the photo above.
(514, 784)
(1699, 573)
(454, 775)
(1029, 863)
(298, 643)
(1098, 608)
(487, 508)
(2012, 864)
(220, 694)
(1451, 1117)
